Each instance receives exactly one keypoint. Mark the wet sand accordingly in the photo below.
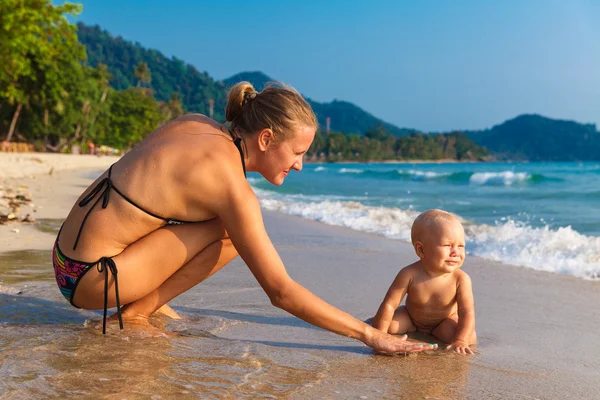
(537, 331)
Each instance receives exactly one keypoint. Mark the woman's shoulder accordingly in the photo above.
(209, 158)
(198, 136)
(192, 123)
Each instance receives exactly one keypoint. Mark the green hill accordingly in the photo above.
(258, 79)
(537, 138)
(195, 88)
(168, 75)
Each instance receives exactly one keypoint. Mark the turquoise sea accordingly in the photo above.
(544, 216)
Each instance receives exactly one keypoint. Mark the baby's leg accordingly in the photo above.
(401, 322)
(446, 330)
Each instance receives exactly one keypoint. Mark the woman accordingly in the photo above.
(177, 208)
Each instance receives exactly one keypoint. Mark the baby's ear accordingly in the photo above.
(419, 249)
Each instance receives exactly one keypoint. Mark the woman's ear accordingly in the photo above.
(265, 138)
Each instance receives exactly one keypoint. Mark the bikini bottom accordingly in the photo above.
(69, 272)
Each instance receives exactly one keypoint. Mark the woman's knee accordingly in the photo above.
(146, 264)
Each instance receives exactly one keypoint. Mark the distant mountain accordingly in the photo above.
(345, 117)
(537, 138)
(258, 79)
(195, 88)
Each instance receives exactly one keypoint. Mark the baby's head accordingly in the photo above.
(439, 240)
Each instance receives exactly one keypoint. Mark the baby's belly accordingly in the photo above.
(427, 318)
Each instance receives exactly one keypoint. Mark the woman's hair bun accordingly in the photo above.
(238, 96)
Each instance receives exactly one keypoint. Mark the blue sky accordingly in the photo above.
(430, 65)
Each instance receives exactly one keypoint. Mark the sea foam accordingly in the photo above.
(351, 171)
(562, 250)
(499, 178)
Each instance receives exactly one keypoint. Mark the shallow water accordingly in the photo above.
(50, 349)
(49, 225)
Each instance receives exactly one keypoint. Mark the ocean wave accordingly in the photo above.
(254, 180)
(562, 250)
(265, 194)
(351, 171)
(422, 175)
(500, 178)
(504, 178)
(390, 222)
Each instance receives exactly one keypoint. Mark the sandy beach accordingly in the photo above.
(42, 175)
(537, 331)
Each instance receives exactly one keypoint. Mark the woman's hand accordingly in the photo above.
(385, 343)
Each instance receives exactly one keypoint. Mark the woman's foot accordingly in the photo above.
(137, 324)
(167, 312)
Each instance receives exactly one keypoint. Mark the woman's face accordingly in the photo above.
(279, 159)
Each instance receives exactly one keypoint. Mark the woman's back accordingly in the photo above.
(164, 175)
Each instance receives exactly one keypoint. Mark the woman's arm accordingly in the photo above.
(240, 212)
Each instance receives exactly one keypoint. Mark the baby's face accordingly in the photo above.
(444, 248)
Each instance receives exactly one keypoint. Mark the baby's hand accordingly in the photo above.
(460, 346)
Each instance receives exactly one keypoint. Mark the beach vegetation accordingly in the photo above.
(379, 145)
(65, 85)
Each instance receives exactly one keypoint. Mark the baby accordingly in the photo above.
(439, 295)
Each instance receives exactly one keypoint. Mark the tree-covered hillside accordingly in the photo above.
(168, 75)
(537, 138)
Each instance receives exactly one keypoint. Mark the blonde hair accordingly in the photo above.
(278, 107)
(426, 219)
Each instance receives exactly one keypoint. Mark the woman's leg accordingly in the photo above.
(158, 267)
(206, 263)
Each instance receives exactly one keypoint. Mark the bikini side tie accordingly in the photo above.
(104, 265)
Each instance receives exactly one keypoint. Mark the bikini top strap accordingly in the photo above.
(238, 143)
(103, 186)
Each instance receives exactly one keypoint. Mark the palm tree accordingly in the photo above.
(142, 73)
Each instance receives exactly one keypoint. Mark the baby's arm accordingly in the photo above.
(466, 315)
(392, 300)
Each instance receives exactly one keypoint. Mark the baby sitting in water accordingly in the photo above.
(439, 296)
